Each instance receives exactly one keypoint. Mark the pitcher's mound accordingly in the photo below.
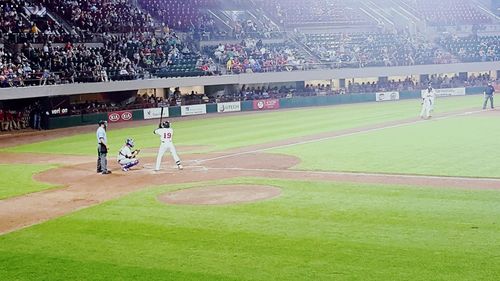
(220, 195)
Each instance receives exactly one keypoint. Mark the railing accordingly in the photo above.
(58, 78)
(213, 36)
(20, 38)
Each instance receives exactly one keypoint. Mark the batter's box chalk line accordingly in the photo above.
(173, 168)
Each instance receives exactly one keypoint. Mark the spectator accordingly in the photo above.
(45, 76)
(37, 116)
(4, 124)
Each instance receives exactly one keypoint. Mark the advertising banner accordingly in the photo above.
(447, 92)
(59, 111)
(387, 96)
(154, 113)
(194, 109)
(266, 104)
(497, 87)
(229, 107)
(119, 116)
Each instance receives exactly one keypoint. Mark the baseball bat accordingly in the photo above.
(161, 116)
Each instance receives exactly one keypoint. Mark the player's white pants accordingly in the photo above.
(426, 109)
(164, 147)
(126, 161)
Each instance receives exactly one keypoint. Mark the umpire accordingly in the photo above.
(488, 95)
(102, 148)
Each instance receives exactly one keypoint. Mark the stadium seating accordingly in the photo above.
(129, 43)
(448, 12)
(475, 48)
(178, 14)
(23, 22)
(298, 12)
(98, 16)
(254, 56)
(371, 49)
(122, 57)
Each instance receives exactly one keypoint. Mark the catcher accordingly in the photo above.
(126, 157)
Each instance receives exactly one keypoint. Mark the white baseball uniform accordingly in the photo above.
(125, 156)
(166, 135)
(428, 97)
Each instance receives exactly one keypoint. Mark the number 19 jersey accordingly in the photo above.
(165, 134)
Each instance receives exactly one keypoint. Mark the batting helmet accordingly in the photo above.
(130, 142)
(103, 122)
(166, 124)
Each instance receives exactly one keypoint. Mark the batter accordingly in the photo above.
(166, 133)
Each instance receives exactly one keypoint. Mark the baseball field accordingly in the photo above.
(351, 192)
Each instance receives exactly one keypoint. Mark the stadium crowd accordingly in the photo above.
(252, 55)
(27, 117)
(101, 16)
(22, 21)
(473, 48)
(408, 84)
(136, 39)
(119, 57)
(374, 49)
(240, 28)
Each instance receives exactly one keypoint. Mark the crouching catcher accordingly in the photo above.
(127, 157)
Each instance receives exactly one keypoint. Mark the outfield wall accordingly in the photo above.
(253, 105)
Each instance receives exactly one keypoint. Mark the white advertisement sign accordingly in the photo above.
(194, 109)
(229, 106)
(387, 96)
(154, 113)
(447, 92)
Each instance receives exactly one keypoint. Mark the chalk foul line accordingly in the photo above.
(403, 124)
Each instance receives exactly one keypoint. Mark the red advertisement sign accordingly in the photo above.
(119, 116)
(266, 104)
(497, 86)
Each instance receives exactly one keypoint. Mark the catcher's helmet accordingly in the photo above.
(165, 124)
(130, 142)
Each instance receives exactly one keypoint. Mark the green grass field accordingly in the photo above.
(458, 146)
(313, 231)
(17, 179)
(235, 131)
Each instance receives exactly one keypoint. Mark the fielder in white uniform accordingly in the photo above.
(428, 97)
(166, 134)
(126, 157)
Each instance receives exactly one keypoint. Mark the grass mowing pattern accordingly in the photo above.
(17, 179)
(236, 131)
(459, 146)
(314, 231)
